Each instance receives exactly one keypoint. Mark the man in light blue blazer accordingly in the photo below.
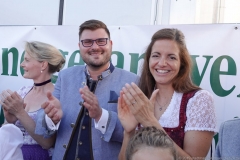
(228, 146)
(89, 126)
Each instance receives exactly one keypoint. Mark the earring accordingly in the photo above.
(41, 71)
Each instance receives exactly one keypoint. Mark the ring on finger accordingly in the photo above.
(133, 102)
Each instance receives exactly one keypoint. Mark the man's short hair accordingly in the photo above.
(93, 25)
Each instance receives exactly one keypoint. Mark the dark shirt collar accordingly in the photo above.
(104, 74)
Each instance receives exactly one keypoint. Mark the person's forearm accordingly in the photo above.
(30, 125)
(181, 153)
(126, 139)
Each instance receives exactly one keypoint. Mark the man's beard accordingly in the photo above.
(98, 64)
(94, 65)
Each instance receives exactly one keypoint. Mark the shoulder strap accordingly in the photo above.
(183, 107)
(190, 94)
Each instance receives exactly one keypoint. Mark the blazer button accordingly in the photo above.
(83, 127)
(72, 125)
(80, 143)
(80, 103)
(64, 146)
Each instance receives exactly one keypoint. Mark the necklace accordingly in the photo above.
(43, 83)
(164, 106)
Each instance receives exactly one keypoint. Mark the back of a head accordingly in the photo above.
(150, 137)
(93, 25)
(45, 52)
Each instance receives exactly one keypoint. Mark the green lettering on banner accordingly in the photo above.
(71, 61)
(54, 79)
(22, 58)
(64, 55)
(5, 53)
(135, 57)
(120, 59)
(134, 61)
(215, 75)
(196, 77)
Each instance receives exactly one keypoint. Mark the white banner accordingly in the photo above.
(215, 51)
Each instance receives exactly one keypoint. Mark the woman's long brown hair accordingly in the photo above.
(182, 82)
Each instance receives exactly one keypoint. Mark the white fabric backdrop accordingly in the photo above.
(212, 41)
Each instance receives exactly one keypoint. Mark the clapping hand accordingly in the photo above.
(141, 107)
(12, 102)
(125, 116)
(91, 103)
(52, 108)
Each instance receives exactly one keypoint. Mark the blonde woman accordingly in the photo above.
(41, 60)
